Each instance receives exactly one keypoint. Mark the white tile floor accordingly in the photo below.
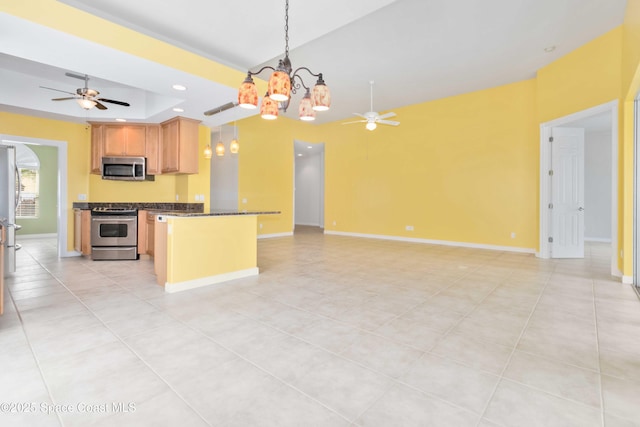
(335, 331)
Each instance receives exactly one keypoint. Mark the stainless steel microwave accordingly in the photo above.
(124, 168)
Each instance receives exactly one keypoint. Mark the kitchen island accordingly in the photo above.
(193, 250)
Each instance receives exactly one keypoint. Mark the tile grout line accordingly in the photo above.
(26, 336)
(112, 332)
(515, 346)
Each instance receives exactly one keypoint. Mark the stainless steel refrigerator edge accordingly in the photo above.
(9, 199)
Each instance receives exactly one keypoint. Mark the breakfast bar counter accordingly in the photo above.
(200, 249)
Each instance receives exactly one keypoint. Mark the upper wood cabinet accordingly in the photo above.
(180, 145)
(154, 150)
(169, 147)
(125, 140)
(97, 137)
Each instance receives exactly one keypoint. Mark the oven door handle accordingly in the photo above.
(110, 219)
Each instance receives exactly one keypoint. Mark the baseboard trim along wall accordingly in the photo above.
(208, 281)
(627, 280)
(434, 242)
(269, 236)
(597, 239)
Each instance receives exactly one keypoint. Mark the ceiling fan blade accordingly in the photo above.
(124, 104)
(99, 106)
(220, 109)
(57, 90)
(357, 121)
(386, 115)
(77, 76)
(63, 99)
(388, 122)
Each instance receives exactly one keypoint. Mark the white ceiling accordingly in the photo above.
(414, 50)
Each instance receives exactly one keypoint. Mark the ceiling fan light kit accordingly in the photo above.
(372, 118)
(87, 98)
(282, 84)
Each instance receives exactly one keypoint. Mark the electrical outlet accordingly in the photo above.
(244, 200)
(409, 227)
(177, 197)
(334, 223)
(82, 197)
(513, 234)
(260, 226)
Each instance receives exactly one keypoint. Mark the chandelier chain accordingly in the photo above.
(286, 28)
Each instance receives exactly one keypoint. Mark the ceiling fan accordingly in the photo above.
(86, 97)
(372, 118)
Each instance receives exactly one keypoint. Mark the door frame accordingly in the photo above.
(62, 211)
(545, 182)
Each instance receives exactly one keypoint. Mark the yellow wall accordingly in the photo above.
(78, 140)
(265, 168)
(587, 77)
(460, 169)
(217, 245)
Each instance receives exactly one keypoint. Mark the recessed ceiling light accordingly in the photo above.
(309, 147)
(179, 87)
(549, 49)
(121, 120)
(299, 155)
(178, 110)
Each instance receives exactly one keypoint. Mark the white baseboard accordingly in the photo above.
(35, 236)
(627, 280)
(208, 281)
(597, 239)
(269, 236)
(434, 242)
(308, 225)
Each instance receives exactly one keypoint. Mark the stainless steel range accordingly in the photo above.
(114, 233)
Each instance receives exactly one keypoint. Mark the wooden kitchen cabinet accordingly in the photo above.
(142, 232)
(125, 140)
(82, 231)
(151, 222)
(153, 150)
(97, 137)
(180, 145)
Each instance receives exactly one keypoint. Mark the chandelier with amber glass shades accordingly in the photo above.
(282, 83)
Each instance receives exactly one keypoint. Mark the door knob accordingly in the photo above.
(580, 208)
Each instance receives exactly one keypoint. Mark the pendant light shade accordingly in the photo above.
(305, 111)
(248, 94)
(219, 149)
(269, 108)
(279, 86)
(208, 152)
(321, 96)
(234, 147)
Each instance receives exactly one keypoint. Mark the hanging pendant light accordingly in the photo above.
(282, 83)
(208, 152)
(269, 108)
(305, 111)
(234, 147)
(248, 94)
(219, 149)
(321, 96)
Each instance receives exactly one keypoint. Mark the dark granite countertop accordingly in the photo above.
(149, 206)
(217, 212)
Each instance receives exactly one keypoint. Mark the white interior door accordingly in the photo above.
(567, 193)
